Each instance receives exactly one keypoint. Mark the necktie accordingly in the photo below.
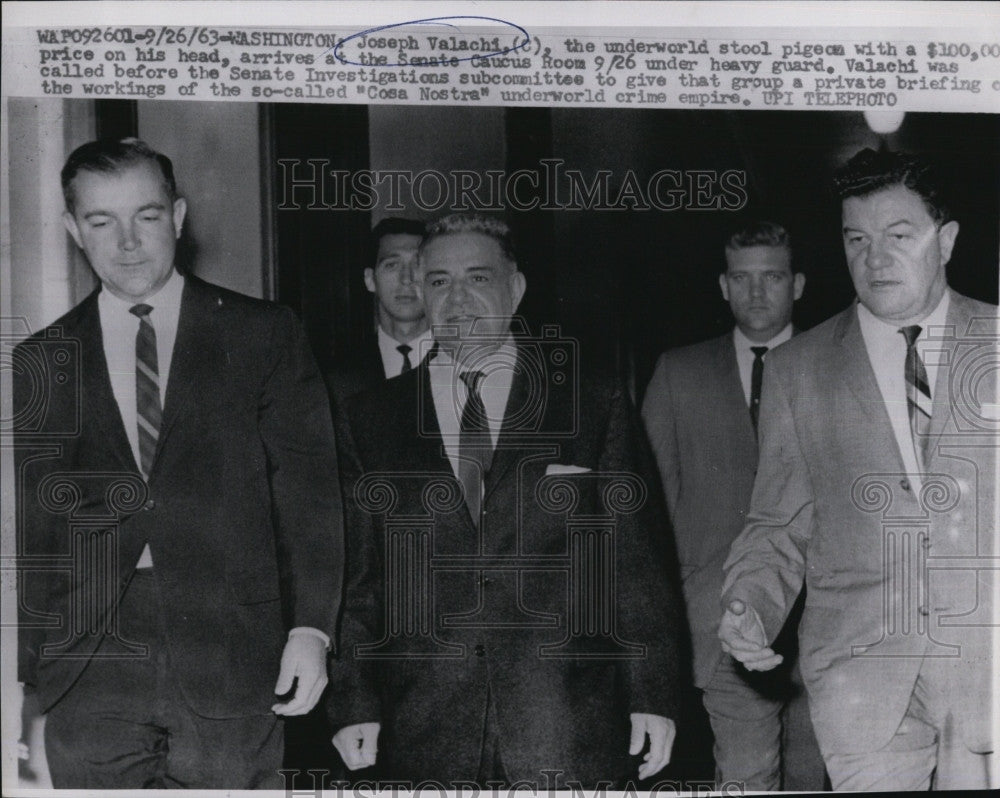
(404, 350)
(756, 377)
(475, 449)
(147, 388)
(918, 395)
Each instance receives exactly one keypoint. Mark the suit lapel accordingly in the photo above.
(945, 343)
(96, 385)
(851, 370)
(510, 448)
(732, 386)
(197, 355)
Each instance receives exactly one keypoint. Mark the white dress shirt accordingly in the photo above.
(745, 358)
(392, 359)
(887, 354)
(451, 393)
(119, 328)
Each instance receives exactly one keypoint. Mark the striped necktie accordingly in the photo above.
(918, 396)
(147, 389)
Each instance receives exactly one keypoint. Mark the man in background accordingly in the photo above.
(482, 682)
(181, 527)
(402, 332)
(700, 412)
(877, 488)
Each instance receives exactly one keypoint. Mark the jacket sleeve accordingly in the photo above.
(649, 604)
(297, 432)
(353, 696)
(766, 564)
(662, 433)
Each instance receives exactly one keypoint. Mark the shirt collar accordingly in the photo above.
(742, 343)
(167, 298)
(873, 325)
(498, 365)
(388, 344)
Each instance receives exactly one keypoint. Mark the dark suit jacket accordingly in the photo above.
(362, 371)
(497, 601)
(242, 507)
(892, 576)
(699, 426)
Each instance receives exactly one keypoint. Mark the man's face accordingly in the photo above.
(760, 288)
(468, 284)
(392, 279)
(128, 227)
(896, 253)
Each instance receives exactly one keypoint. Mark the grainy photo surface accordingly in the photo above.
(519, 396)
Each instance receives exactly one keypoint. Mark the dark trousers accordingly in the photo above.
(124, 723)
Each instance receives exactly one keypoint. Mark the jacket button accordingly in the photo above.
(480, 650)
(904, 484)
(149, 505)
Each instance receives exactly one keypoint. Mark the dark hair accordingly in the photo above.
(474, 223)
(110, 156)
(869, 171)
(760, 234)
(392, 226)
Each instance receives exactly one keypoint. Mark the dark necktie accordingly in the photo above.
(404, 350)
(147, 388)
(918, 395)
(756, 377)
(475, 449)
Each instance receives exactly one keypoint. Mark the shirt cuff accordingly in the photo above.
(309, 630)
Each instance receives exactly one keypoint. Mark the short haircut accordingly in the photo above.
(110, 156)
(392, 226)
(760, 234)
(474, 223)
(869, 171)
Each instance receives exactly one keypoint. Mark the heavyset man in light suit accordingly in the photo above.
(877, 487)
(700, 412)
(475, 480)
(180, 516)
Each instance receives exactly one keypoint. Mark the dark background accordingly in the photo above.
(625, 284)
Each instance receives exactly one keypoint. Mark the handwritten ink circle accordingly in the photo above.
(431, 20)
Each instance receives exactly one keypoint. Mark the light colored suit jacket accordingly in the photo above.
(699, 427)
(893, 574)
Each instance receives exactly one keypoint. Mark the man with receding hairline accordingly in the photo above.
(877, 489)
(486, 696)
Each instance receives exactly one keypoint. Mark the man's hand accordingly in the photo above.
(358, 744)
(662, 732)
(742, 635)
(304, 658)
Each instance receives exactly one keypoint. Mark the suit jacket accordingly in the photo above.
(361, 372)
(490, 609)
(699, 426)
(892, 576)
(242, 509)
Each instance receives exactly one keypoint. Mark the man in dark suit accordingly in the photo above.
(180, 518)
(509, 609)
(877, 488)
(402, 334)
(700, 412)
